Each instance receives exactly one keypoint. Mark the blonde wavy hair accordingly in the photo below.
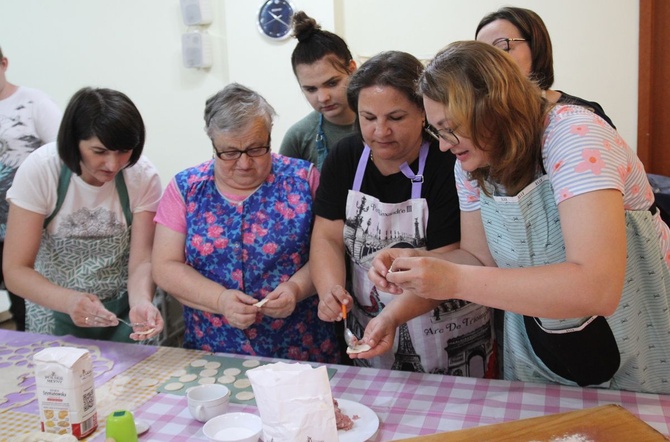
(491, 102)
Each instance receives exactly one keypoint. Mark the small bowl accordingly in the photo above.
(234, 427)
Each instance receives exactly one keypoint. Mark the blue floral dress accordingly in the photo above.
(253, 246)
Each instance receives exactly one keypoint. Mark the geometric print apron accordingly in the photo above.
(97, 265)
(525, 230)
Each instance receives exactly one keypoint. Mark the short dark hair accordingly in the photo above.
(315, 43)
(533, 29)
(1, 55)
(104, 113)
(396, 69)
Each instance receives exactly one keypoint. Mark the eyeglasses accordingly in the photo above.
(503, 43)
(447, 135)
(229, 155)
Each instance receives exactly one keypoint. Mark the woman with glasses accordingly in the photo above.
(389, 187)
(523, 35)
(80, 226)
(322, 64)
(232, 240)
(558, 229)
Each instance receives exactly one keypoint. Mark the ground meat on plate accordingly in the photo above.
(342, 421)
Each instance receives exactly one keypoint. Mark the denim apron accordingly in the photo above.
(92, 265)
(455, 338)
(525, 231)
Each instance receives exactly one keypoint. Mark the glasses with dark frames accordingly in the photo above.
(503, 43)
(447, 135)
(230, 155)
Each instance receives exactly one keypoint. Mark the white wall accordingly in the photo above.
(135, 46)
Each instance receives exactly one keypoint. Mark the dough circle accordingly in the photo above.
(199, 363)
(188, 378)
(173, 386)
(250, 363)
(358, 348)
(242, 383)
(244, 396)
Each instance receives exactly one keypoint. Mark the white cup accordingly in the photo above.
(207, 401)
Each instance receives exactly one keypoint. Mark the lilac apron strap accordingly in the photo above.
(417, 180)
(360, 170)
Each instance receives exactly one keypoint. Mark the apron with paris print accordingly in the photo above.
(457, 337)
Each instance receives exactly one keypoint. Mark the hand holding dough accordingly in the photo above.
(358, 348)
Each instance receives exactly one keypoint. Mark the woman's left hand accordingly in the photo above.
(281, 301)
(147, 313)
(379, 335)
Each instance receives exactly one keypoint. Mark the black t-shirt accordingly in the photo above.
(594, 107)
(439, 189)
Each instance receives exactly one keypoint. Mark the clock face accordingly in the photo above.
(274, 19)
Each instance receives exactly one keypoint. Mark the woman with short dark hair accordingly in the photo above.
(69, 249)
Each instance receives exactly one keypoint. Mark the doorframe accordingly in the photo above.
(653, 92)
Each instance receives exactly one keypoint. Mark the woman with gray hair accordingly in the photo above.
(233, 236)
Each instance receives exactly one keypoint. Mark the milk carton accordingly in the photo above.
(65, 391)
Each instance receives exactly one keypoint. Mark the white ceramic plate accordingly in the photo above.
(141, 426)
(364, 427)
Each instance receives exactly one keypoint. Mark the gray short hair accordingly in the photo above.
(234, 107)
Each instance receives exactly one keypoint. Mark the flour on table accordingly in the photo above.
(570, 438)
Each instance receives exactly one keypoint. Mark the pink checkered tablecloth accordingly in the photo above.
(411, 404)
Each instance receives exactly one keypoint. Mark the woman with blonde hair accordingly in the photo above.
(558, 229)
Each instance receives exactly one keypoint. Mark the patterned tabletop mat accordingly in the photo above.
(225, 370)
(126, 391)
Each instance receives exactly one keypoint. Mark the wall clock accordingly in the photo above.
(274, 19)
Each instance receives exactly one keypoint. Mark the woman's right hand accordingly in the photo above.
(86, 310)
(382, 264)
(238, 308)
(330, 305)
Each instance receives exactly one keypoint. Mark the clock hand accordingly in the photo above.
(278, 18)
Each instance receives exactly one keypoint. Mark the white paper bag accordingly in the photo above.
(295, 402)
